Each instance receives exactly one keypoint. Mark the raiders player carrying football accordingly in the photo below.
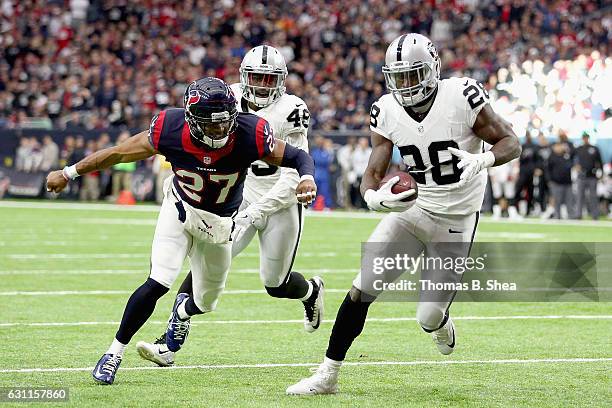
(439, 127)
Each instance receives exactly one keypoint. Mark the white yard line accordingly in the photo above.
(126, 292)
(76, 256)
(57, 205)
(142, 271)
(512, 235)
(113, 255)
(349, 363)
(290, 321)
(117, 221)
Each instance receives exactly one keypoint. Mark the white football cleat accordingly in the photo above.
(313, 307)
(323, 381)
(157, 352)
(513, 214)
(444, 337)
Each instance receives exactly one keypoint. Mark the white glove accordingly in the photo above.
(471, 163)
(251, 216)
(242, 222)
(384, 200)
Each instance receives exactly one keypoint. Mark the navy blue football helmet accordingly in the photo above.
(210, 111)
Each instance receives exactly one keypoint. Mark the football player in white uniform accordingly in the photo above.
(439, 127)
(269, 207)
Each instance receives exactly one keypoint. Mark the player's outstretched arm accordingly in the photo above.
(135, 148)
(285, 155)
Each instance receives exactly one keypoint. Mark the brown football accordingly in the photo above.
(405, 183)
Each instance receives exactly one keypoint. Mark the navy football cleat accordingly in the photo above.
(178, 329)
(107, 367)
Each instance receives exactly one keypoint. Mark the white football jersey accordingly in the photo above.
(424, 145)
(289, 118)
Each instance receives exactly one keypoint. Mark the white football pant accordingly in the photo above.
(209, 263)
(413, 230)
(278, 243)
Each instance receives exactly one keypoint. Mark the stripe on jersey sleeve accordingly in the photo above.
(260, 137)
(157, 129)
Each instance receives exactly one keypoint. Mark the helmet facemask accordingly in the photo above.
(212, 130)
(262, 85)
(411, 84)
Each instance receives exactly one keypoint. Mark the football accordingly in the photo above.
(405, 183)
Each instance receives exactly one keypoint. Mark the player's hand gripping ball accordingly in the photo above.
(405, 183)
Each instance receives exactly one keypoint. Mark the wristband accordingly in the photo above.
(70, 172)
(306, 177)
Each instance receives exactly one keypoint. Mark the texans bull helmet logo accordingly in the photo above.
(194, 97)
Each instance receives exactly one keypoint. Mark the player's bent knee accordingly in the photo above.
(163, 276)
(160, 280)
(206, 299)
(205, 306)
(273, 281)
(155, 288)
(357, 295)
(430, 318)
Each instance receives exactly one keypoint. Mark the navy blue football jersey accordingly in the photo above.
(210, 179)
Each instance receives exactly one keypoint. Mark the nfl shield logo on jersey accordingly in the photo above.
(421, 129)
(206, 160)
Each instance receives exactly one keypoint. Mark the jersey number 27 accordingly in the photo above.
(193, 184)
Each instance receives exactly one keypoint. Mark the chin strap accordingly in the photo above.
(426, 103)
(215, 143)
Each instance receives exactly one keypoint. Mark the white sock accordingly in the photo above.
(117, 348)
(309, 292)
(182, 312)
(332, 365)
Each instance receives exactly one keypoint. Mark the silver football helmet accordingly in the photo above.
(412, 69)
(262, 75)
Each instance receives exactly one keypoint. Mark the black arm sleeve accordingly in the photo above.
(298, 159)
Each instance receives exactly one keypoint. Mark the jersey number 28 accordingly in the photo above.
(443, 170)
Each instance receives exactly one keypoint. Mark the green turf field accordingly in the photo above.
(66, 274)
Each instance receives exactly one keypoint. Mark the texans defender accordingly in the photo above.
(439, 127)
(210, 146)
(269, 207)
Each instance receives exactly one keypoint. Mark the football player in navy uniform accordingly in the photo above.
(210, 146)
(269, 207)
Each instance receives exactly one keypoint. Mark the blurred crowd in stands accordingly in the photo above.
(114, 64)
(32, 156)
